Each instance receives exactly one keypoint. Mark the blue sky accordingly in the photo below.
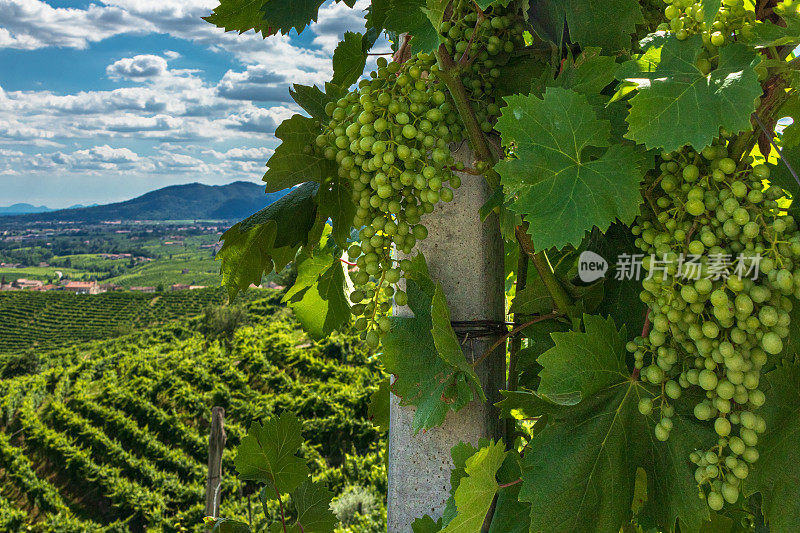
(104, 100)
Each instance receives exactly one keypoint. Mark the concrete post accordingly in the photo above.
(466, 256)
(216, 445)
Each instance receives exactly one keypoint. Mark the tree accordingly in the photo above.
(609, 132)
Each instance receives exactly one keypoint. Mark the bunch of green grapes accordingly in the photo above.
(723, 263)
(686, 17)
(391, 140)
(486, 41)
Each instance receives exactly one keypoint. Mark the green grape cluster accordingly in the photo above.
(723, 263)
(686, 17)
(391, 141)
(486, 41)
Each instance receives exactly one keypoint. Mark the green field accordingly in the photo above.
(112, 435)
(47, 273)
(46, 319)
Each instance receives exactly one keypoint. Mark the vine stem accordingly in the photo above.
(348, 262)
(506, 485)
(511, 333)
(280, 504)
(450, 74)
(562, 300)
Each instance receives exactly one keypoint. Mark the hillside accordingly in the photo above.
(193, 201)
(112, 435)
(49, 319)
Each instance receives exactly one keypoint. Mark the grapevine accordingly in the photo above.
(604, 131)
(391, 140)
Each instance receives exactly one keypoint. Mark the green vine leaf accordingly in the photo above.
(335, 199)
(560, 189)
(584, 362)
(433, 383)
(349, 59)
(608, 24)
(292, 163)
(710, 10)
(319, 295)
(677, 104)
(313, 100)
(477, 489)
(267, 454)
(226, 525)
(775, 476)
(426, 524)
(589, 74)
(285, 15)
(312, 507)
(604, 440)
(765, 34)
(408, 16)
(269, 239)
(241, 16)
(378, 409)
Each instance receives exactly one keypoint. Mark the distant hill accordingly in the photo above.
(23, 209)
(178, 202)
(27, 209)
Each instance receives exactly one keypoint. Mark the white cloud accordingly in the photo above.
(138, 67)
(32, 24)
(335, 20)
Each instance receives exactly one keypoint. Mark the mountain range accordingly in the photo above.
(193, 201)
(26, 209)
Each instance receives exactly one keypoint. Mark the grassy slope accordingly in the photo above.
(114, 432)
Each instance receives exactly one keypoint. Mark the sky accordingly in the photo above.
(104, 100)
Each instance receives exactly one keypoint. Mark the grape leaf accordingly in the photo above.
(516, 75)
(510, 514)
(446, 342)
(710, 10)
(424, 378)
(292, 163)
(765, 34)
(584, 362)
(608, 24)
(426, 524)
(620, 296)
(477, 489)
(287, 14)
(549, 19)
(267, 454)
(318, 297)
(522, 405)
(677, 104)
(336, 202)
(313, 100)
(561, 191)
(378, 409)
(407, 16)
(267, 240)
(459, 453)
(589, 74)
(349, 59)
(579, 471)
(312, 504)
(240, 15)
(776, 473)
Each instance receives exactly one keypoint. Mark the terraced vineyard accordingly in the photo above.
(47, 319)
(112, 435)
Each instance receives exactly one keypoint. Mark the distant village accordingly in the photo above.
(94, 287)
(85, 287)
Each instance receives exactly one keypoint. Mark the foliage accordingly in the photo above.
(112, 435)
(611, 127)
